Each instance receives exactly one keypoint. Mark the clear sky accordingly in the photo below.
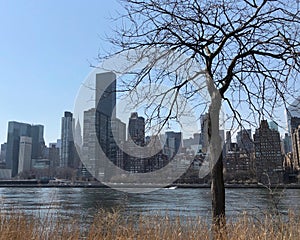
(45, 50)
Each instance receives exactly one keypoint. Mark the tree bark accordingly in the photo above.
(216, 161)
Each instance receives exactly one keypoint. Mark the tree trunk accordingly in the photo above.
(218, 194)
(216, 161)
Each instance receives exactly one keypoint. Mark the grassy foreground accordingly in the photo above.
(113, 226)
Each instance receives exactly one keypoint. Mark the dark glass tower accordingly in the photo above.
(136, 129)
(67, 154)
(15, 131)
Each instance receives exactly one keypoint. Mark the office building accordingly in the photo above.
(25, 154)
(296, 149)
(68, 151)
(173, 144)
(15, 131)
(38, 143)
(287, 143)
(227, 142)
(78, 135)
(268, 155)
(244, 140)
(3, 152)
(293, 115)
(273, 125)
(53, 155)
(106, 94)
(91, 147)
(204, 132)
(118, 139)
(136, 129)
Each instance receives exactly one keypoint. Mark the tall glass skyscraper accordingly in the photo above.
(67, 153)
(97, 129)
(15, 131)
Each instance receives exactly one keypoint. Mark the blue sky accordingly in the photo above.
(45, 50)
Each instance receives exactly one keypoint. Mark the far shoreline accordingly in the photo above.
(36, 184)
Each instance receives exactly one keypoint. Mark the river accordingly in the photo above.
(84, 203)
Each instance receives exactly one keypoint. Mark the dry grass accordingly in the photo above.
(112, 225)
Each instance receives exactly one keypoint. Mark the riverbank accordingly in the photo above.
(113, 225)
(87, 184)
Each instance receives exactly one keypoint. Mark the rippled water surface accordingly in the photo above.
(85, 202)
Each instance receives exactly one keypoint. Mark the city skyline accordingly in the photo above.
(45, 61)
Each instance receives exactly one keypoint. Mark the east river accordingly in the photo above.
(83, 203)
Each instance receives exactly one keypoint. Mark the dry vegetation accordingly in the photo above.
(112, 225)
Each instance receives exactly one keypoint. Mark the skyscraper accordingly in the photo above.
(173, 143)
(204, 132)
(3, 152)
(68, 153)
(97, 126)
(244, 140)
(25, 154)
(118, 139)
(296, 148)
(54, 155)
(14, 133)
(91, 147)
(67, 142)
(268, 155)
(228, 142)
(293, 116)
(136, 129)
(106, 94)
(38, 143)
(78, 136)
(287, 141)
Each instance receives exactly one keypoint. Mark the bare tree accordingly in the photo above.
(248, 50)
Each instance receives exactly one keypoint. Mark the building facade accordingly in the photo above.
(3, 152)
(244, 140)
(268, 155)
(173, 144)
(15, 131)
(67, 151)
(296, 149)
(136, 129)
(98, 145)
(25, 154)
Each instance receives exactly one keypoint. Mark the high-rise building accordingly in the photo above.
(78, 136)
(173, 143)
(106, 94)
(293, 115)
(273, 125)
(68, 151)
(136, 129)
(38, 143)
(296, 149)
(204, 132)
(268, 155)
(3, 152)
(287, 143)
(14, 133)
(228, 142)
(97, 126)
(25, 154)
(53, 155)
(91, 147)
(118, 139)
(244, 140)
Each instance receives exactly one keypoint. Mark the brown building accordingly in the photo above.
(296, 148)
